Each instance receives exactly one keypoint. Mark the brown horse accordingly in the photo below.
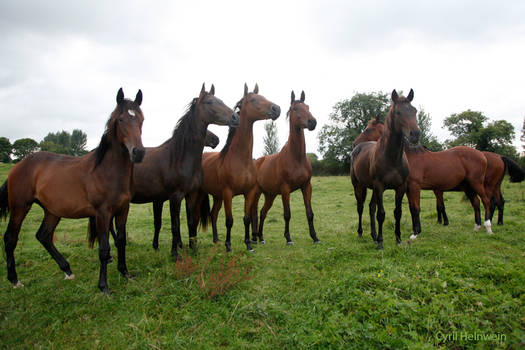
(232, 171)
(287, 171)
(497, 166)
(97, 186)
(457, 169)
(383, 165)
(174, 169)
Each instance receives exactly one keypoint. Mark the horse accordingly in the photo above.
(457, 169)
(383, 165)
(174, 169)
(287, 171)
(211, 140)
(232, 171)
(97, 186)
(497, 166)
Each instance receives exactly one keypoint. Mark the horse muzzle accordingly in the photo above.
(311, 124)
(137, 154)
(275, 112)
(413, 137)
(234, 121)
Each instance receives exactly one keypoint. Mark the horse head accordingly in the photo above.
(299, 114)
(374, 130)
(127, 122)
(213, 110)
(404, 117)
(257, 107)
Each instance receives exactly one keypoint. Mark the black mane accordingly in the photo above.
(231, 130)
(184, 132)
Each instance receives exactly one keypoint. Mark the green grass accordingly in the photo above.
(340, 294)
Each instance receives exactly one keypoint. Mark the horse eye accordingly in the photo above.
(120, 119)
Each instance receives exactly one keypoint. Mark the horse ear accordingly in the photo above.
(410, 96)
(245, 89)
(256, 89)
(120, 96)
(394, 95)
(292, 97)
(212, 90)
(302, 96)
(138, 98)
(203, 91)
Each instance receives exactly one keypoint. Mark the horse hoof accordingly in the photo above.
(399, 243)
(253, 241)
(251, 250)
(110, 260)
(18, 284)
(69, 277)
(262, 242)
(477, 227)
(290, 243)
(380, 246)
(129, 277)
(413, 237)
(105, 290)
(317, 242)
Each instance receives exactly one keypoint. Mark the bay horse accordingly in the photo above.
(97, 186)
(497, 166)
(287, 171)
(457, 169)
(232, 171)
(174, 169)
(383, 165)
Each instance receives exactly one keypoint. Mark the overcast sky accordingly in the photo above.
(62, 62)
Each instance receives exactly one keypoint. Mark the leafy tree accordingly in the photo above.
(347, 120)
(469, 129)
(522, 138)
(271, 142)
(78, 142)
(5, 150)
(24, 147)
(65, 143)
(427, 139)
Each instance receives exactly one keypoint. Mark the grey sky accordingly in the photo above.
(63, 61)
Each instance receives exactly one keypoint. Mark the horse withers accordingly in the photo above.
(96, 186)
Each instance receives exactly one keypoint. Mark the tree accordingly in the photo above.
(5, 150)
(347, 120)
(522, 138)
(78, 142)
(469, 129)
(427, 139)
(271, 142)
(23, 147)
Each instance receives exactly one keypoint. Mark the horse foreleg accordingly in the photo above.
(307, 198)
(217, 203)
(120, 221)
(413, 195)
(398, 211)
(480, 191)
(253, 214)
(227, 198)
(248, 203)
(378, 194)
(176, 240)
(372, 213)
(360, 197)
(157, 222)
(285, 196)
(192, 217)
(45, 236)
(102, 228)
(474, 201)
(268, 201)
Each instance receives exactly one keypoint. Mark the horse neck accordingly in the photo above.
(116, 162)
(391, 143)
(296, 142)
(192, 148)
(242, 143)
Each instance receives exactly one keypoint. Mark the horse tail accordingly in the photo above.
(205, 215)
(516, 173)
(4, 203)
(92, 231)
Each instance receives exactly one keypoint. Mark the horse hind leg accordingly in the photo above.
(360, 196)
(157, 222)
(45, 237)
(372, 212)
(268, 201)
(16, 218)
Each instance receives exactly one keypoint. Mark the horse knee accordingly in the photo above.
(103, 255)
(310, 216)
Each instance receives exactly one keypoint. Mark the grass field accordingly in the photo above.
(452, 288)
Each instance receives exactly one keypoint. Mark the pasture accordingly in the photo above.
(451, 288)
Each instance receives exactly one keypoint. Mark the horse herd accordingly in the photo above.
(101, 184)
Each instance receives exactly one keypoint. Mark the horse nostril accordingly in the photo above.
(312, 124)
(276, 110)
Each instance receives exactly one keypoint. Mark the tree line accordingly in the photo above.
(349, 118)
(63, 142)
